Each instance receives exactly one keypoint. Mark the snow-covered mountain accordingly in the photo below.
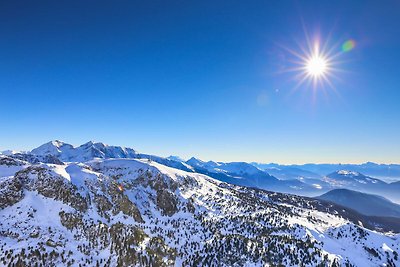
(359, 182)
(175, 158)
(238, 173)
(313, 184)
(137, 212)
(287, 172)
(91, 150)
(382, 171)
(367, 204)
(280, 178)
(386, 172)
(345, 178)
(198, 163)
(248, 174)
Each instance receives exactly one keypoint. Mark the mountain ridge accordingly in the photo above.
(367, 204)
(138, 212)
(288, 179)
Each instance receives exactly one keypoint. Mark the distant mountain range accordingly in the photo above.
(367, 204)
(307, 179)
(382, 171)
(360, 182)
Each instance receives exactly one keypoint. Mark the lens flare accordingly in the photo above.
(348, 45)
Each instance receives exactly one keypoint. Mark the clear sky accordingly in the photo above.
(201, 78)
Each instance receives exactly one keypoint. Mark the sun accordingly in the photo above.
(316, 66)
(316, 63)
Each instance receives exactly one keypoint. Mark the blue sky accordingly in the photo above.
(203, 78)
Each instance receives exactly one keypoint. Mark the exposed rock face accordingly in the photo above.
(123, 204)
(160, 252)
(166, 199)
(9, 161)
(36, 159)
(71, 220)
(167, 202)
(103, 205)
(165, 188)
(10, 192)
(40, 179)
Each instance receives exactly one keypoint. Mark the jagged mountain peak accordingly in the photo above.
(53, 148)
(96, 144)
(57, 143)
(175, 158)
(194, 159)
(88, 144)
(84, 152)
(240, 167)
(92, 150)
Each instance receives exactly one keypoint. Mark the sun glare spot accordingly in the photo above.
(316, 66)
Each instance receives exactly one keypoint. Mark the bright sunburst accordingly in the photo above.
(316, 66)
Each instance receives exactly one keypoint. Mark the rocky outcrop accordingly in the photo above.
(165, 188)
(167, 202)
(11, 192)
(71, 220)
(36, 159)
(122, 203)
(51, 185)
(10, 161)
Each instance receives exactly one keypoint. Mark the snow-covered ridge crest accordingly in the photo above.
(348, 173)
(92, 150)
(10, 152)
(87, 151)
(9, 166)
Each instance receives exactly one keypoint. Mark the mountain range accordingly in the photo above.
(367, 204)
(287, 179)
(389, 172)
(101, 205)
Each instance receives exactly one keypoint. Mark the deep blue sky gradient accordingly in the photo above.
(201, 78)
